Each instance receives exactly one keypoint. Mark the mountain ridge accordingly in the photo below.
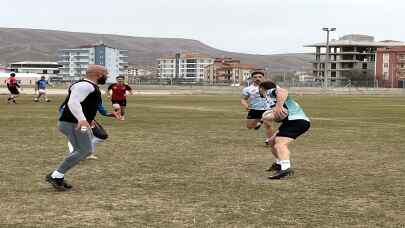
(22, 44)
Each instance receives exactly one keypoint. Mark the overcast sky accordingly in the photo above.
(249, 26)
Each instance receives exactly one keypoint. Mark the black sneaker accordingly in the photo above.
(274, 167)
(258, 125)
(58, 183)
(282, 174)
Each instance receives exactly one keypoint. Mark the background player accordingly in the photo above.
(256, 105)
(12, 86)
(41, 88)
(117, 92)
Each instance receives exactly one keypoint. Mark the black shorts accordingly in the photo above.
(121, 102)
(13, 90)
(255, 114)
(293, 128)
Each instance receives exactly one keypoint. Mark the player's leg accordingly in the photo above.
(253, 119)
(46, 97)
(288, 132)
(252, 123)
(269, 131)
(276, 165)
(94, 142)
(81, 143)
(123, 105)
(283, 154)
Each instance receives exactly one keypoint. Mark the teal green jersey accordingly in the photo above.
(295, 111)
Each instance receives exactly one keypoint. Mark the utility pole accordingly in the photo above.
(326, 74)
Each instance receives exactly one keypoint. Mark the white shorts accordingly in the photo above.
(41, 91)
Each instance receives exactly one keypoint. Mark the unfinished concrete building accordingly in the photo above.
(350, 54)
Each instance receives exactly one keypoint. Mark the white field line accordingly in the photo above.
(203, 109)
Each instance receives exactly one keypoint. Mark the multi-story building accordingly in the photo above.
(48, 69)
(390, 67)
(348, 54)
(74, 61)
(228, 70)
(138, 72)
(185, 66)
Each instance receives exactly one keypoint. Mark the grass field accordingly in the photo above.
(188, 161)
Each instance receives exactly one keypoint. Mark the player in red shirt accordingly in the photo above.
(12, 86)
(117, 93)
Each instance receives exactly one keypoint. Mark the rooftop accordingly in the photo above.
(358, 40)
(36, 62)
(185, 55)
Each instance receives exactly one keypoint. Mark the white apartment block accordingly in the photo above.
(74, 61)
(47, 69)
(187, 66)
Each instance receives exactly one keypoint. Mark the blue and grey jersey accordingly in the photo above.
(41, 84)
(295, 112)
(256, 102)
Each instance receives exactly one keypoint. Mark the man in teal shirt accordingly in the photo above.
(294, 123)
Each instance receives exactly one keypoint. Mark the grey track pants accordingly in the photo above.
(81, 143)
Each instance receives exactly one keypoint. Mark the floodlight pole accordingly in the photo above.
(326, 74)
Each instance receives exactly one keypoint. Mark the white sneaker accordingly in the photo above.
(92, 157)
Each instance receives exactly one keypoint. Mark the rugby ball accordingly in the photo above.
(269, 115)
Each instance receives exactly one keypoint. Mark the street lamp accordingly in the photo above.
(327, 30)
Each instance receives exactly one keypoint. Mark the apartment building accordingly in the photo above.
(228, 70)
(185, 66)
(390, 67)
(74, 61)
(349, 54)
(50, 70)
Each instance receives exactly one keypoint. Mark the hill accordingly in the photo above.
(17, 44)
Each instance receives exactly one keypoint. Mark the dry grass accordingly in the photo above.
(187, 161)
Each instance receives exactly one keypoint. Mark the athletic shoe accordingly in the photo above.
(282, 174)
(58, 183)
(92, 157)
(48, 100)
(122, 117)
(274, 167)
(36, 99)
(258, 125)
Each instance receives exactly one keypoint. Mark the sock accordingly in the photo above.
(57, 174)
(285, 164)
(278, 162)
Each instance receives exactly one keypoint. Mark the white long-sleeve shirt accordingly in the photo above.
(79, 92)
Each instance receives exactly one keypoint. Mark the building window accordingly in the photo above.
(386, 65)
(364, 66)
(402, 56)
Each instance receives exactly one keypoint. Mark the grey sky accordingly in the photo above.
(249, 26)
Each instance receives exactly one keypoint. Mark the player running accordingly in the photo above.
(294, 123)
(12, 86)
(41, 88)
(117, 93)
(256, 105)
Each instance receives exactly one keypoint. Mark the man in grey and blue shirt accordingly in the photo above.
(79, 112)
